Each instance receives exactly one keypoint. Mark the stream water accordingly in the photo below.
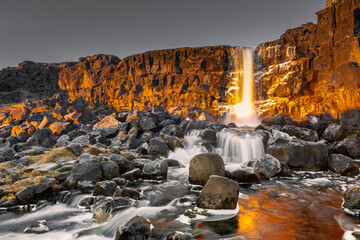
(307, 208)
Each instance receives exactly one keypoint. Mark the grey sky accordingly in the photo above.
(63, 30)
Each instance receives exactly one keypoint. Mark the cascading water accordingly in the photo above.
(239, 147)
(242, 88)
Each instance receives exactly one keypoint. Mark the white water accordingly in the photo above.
(242, 89)
(239, 149)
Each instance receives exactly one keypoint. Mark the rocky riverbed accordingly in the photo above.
(89, 172)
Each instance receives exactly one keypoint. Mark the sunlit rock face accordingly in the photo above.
(314, 68)
(186, 77)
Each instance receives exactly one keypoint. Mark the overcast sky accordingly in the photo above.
(63, 30)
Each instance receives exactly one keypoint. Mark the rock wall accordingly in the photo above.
(314, 68)
(186, 77)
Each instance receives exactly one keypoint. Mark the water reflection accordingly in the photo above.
(286, 212)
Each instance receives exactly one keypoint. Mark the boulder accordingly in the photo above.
(137, 228)
(25, 196)
(350, 146)
(105, 188)
(42, 137)
(307, 156)
(219, 193)
(202, 166)
(333, 132)
(267, 166)
(128, 193)
(109, 124)
(352, 198)
(86, 171)
(245, 175)
(158, 147)
(155, 170)
(343, 165)
(134, 143)
(132, 175)
(109, 169)
(209, 136)
(6, 154)
(301, 133)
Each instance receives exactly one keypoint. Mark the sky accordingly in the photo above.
(64, 30)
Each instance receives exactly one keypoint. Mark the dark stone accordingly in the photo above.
(343, 165)
(333, 132)
(109, 169)
(86, 171)
(132, 175)
(75, 148)
(301, 133)
(209, 135)
(202, 166)
(134, 143)
(105, 188)
(267, 166)
(42, 137)
(173, 142)
(350, 146)
(219, 193)
(129, 192)
(155, 170)
(137, 228)
(352, 198)
(39, 227)
(158, 147)
(245, 175)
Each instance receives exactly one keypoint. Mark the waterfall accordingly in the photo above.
(242, 88)
(239, 147)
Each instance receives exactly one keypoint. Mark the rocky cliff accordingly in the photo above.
(314, 68)
(310, 69)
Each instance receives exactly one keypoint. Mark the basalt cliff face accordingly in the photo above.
(314, 68)
(310, 69)
(185, 77)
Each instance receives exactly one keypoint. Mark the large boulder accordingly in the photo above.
(352, 198)
(350, 146)
(204, 165)
(109, 169)
(158, 147)
(267, 166)
(43, 138)
(343, 165)
(333, 132)
(137, 228)
(155, 170)
(301, 133)
(219, 193)
(105, 188)
(86, 171)
(245, 175)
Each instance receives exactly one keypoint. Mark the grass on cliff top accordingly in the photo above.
(55, 155)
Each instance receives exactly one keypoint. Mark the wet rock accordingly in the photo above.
(128, 192)
(350, 146)
(209, 136)
(86, 202)
(173, 163)
(86, 171)
(333, 132)
(146, 136)
(103, 212)
(137, 228)
(132, 175)
(245, 175)
(134, 143)
(307, 156)
(343, 165)
(158, 147)
(105, 188)
(202, 166)
(43, 138)
(219, 193)
(278, 119)
(120, 181)
(267, 166)
(173, 142)
(176, 235)
(301, 133)
(124, 164)
(352, 198)
(39, 227)
(155, 170)
(110, 169)
(85, 186)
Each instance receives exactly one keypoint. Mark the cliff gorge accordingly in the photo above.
(310, 69)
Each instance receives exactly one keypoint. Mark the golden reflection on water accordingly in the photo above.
(287, 214)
